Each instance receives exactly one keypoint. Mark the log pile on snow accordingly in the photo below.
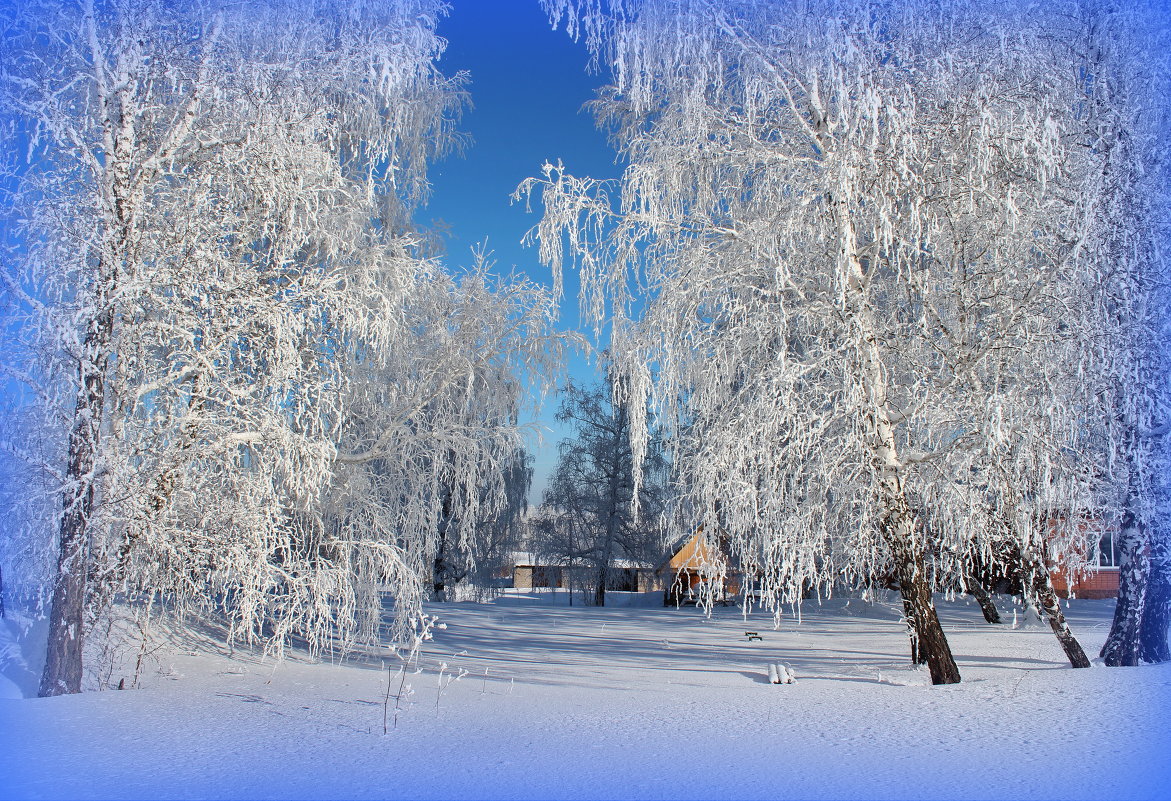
(780, 673)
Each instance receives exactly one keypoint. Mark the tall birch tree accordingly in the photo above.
(1123, 314)
(215, 285)
(846, 220)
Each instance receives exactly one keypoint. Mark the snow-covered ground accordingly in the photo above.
(627, 702)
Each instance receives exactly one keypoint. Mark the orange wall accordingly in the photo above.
(693, 554)
(1101, 583)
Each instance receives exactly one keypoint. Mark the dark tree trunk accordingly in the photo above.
(63, 656)
(928, 642)
(1153, 647)
(984, 599)
(1046, 599)
(439, 568)
(438, 585)
(600, 588)
(445, 569)
(1029, 570)
(1122, 644)
(918, 656)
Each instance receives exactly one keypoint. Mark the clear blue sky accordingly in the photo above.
(528, 86)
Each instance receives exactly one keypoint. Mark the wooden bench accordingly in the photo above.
(752, 635)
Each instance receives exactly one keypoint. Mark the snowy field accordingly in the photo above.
(634, 702)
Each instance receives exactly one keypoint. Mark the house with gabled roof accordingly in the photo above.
(698, 567)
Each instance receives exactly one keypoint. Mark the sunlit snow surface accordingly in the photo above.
(638, 702)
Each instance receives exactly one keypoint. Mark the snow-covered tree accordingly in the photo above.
(232, 343)
(589, 513)
(847, 220)
(1122, 313)
(500, 534)
(470, 552)
(434, 432)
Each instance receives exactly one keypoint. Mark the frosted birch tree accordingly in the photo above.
(214, 286)
(846, 221)
(432, 441)
(1123, 311)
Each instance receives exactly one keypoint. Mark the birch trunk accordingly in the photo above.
(984, 599)
(898, 524)
(63, 658)
(1121, 648)
(1153, 647)
(1040, 586)
(929, 644)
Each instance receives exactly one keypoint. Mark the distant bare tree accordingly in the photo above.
(594, 510)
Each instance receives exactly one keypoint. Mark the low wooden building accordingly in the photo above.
(696, 568)
(627, 575)
(533, 571)
(528, 577)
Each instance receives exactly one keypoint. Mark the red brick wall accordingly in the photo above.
(1101, 583)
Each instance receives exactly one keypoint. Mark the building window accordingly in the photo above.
(1107, 553)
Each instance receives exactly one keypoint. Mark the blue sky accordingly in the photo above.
(528, 85)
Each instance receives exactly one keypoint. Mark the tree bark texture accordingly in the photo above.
(1028, 568)
(439, 570)
(928, 642)
(63, 657)
(1153, 646)
(600, 586)
(1122, 645)
(984, 599)
(121, 200)
(1046, 599)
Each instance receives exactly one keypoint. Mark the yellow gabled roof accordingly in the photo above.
(694, 553)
